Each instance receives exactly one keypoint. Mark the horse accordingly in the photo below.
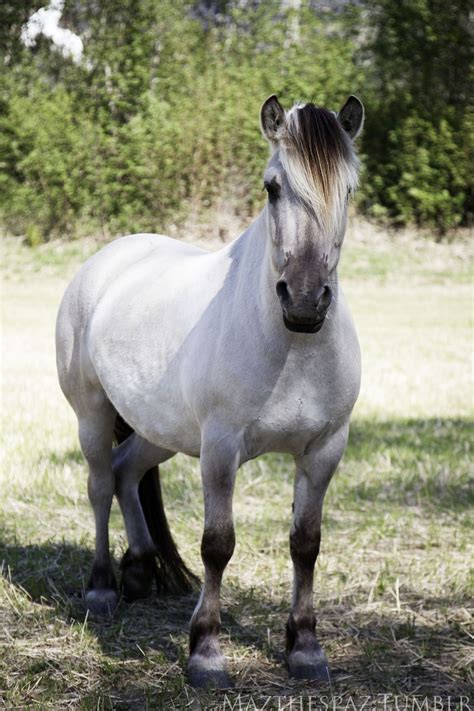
(163, 347)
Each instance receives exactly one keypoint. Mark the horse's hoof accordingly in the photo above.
(205, 676)
(310, 672)
(311, 665)
(101, 603)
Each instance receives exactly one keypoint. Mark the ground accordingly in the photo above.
(393, 585)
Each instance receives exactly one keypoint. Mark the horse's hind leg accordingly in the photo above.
(95, 435)
(306, 659)
(131, 459)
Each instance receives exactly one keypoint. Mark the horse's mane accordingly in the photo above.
(320, 161)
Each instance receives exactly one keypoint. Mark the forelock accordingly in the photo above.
(319, 160)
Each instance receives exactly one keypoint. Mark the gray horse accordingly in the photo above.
(223, 356)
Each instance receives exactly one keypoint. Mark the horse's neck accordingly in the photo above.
(256, 276)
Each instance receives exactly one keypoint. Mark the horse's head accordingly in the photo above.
(310, 175)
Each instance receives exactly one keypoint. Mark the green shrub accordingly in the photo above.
(163, 111)
(423, 177)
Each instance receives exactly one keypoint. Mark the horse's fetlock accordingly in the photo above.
(300, 626)
(143, 559)
(102, 577)
(138, 572)
(205, 629)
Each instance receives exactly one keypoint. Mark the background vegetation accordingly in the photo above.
(161, 111)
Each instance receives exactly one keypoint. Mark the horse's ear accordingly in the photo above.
(272, 118)
(351, 116)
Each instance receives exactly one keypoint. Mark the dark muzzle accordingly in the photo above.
(305, 313)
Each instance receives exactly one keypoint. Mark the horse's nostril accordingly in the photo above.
(282, 291)
(324, 298)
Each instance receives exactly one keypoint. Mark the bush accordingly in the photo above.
(423, 176)
(418, 137)
(163, 110)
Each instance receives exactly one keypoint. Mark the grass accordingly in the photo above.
(393, 581)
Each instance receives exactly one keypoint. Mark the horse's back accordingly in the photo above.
(113, 260)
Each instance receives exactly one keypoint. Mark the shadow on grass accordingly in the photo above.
(425, 462)
(371, 651)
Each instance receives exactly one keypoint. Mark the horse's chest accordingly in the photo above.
(299, 412)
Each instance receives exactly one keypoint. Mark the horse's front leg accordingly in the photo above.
(219, 462)
(306, 659)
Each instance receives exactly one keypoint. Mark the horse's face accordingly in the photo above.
(312, 170)
(304, 255)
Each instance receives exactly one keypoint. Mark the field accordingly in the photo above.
(393, 580)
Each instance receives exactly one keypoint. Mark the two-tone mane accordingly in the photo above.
(320, 161)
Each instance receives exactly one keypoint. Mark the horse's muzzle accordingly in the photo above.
(305, 314)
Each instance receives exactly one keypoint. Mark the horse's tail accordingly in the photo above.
(171, 573)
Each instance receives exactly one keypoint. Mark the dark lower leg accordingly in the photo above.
(130, 460)
(304, 551)
(305, 656)
(306, 659)
(101, 596)
(207, 663)
(138, 565)
(219, 463)
(95, 435)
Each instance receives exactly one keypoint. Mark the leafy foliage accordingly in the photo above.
(418, 137)
(162, 110)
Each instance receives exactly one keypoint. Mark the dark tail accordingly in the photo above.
(171, 573)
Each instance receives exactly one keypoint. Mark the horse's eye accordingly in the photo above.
(273, 189)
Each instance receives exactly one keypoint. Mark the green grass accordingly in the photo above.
(393, 581)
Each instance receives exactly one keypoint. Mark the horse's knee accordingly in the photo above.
(217, 546)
